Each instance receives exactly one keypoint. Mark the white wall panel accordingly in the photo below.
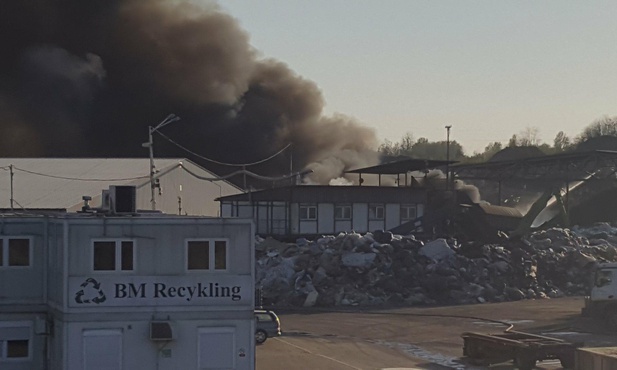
(393, 215)
(360, 217)
(325, 217)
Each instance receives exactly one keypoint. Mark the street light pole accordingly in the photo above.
(448, 156)
(150, 144)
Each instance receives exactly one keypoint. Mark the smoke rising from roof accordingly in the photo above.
(86, 78)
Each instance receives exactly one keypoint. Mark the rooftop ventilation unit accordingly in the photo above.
(122, 199)
(161, 330)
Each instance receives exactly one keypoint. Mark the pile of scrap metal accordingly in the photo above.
(381, 268)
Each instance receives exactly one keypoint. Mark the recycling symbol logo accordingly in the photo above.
(95, 293)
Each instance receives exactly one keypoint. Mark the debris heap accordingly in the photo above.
(380, 268)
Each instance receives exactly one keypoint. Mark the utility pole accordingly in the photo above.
(448, 156)
(294, 180)
(150, 145)
(12, 175)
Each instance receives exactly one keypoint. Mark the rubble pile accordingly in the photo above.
(380, 268)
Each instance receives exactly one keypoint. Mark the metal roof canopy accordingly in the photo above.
(404, 166)
(574, 166)
(331, 194)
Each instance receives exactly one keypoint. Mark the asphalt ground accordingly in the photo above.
(419, 338)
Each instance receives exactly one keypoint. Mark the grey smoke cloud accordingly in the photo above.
(51, 67)
(86, 78)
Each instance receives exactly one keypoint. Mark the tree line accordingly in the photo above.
(438, 150)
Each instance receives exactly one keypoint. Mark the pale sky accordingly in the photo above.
(488, 68)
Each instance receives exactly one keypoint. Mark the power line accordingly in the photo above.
(218, 162)
(246, 172)
(77, 178)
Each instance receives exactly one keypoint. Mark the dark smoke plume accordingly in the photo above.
(86, 78)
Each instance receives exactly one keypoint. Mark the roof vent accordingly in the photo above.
(123, 199)
(86, 206)
(161, 330)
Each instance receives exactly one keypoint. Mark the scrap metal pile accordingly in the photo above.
(385, 269)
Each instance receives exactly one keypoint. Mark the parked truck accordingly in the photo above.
(602, 299)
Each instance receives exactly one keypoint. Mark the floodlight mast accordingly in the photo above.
(150, 144)
(448, 127)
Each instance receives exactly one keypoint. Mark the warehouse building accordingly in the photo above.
(58, 184)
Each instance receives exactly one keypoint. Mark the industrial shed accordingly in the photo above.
(312, 209)
(307, 210)
(59, 184)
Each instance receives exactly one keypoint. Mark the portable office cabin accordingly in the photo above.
(23, 292)
(312, 209)
(128, 292)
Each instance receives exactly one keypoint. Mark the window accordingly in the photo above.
(234, 210)
(15, 252)
(264, 317)
(408, 212)
(113, 255)
(206, 255)
(375, 212)
(342, 213)
(308, 212)
(17, 348)
(604, 277)
(14, 341)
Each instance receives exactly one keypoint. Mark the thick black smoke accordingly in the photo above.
(86, 79)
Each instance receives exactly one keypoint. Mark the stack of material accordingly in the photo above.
(384, 269)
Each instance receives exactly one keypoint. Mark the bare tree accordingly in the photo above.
(605, 126)
(493, 148)
(403, 147)
(437, 150)
(529, 137)
(407, 143)
(561, 142)
(387, 148)
(422, 148)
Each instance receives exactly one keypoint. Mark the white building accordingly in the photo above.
(312, 210)
(401, 194)
(60, 183)
(89, 291)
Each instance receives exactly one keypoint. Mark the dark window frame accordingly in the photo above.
(12, 348)
(343, 207)
(408, 207)
(376, 212)
(307, 212)
(124, 255)
(217, 255)
(15, 348)
(7, 258)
